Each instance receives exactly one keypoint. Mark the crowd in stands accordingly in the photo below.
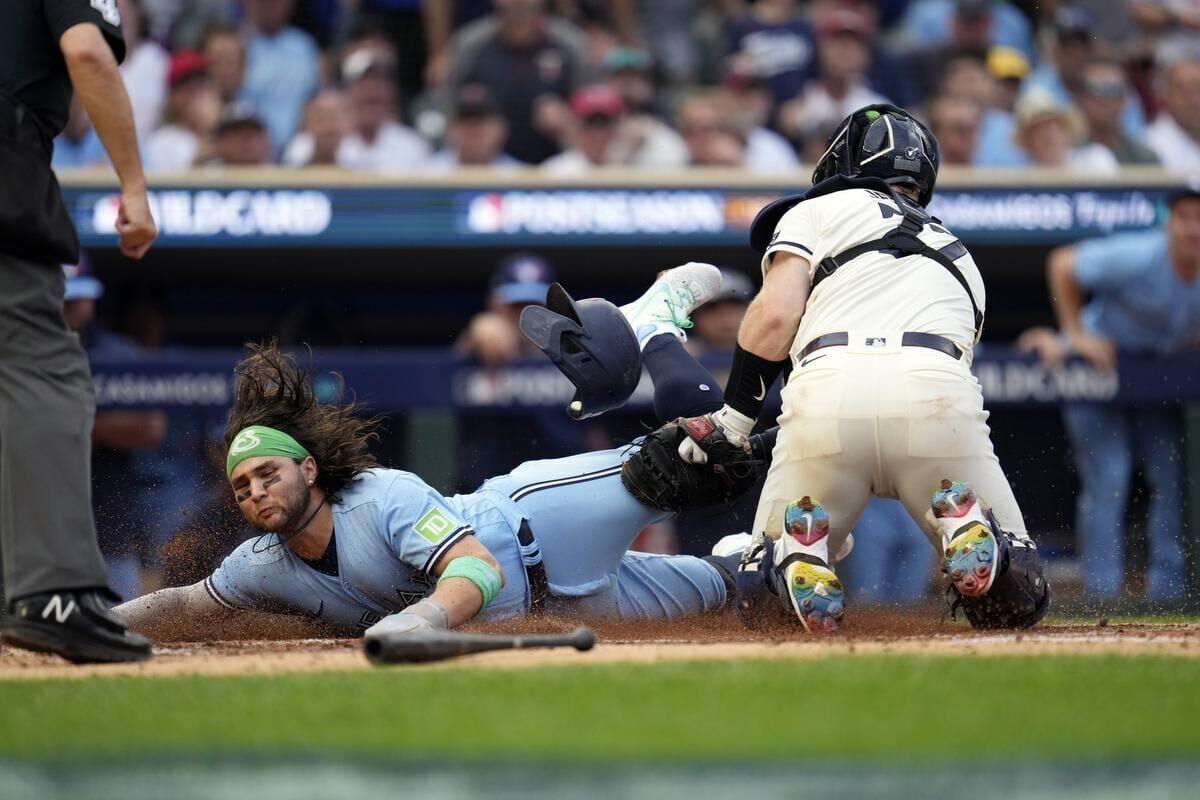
(571, 85)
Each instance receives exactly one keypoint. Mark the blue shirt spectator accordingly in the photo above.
(1138, 301)
(1062, 75)
(996, 145)
(281, 68)
(75, 153)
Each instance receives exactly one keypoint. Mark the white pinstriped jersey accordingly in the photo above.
(875, 293)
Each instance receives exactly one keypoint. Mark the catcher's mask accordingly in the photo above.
(590, 341)
(883, 141)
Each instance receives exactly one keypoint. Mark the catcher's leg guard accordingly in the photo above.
(996, 578)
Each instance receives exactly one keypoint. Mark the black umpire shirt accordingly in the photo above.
(31, 64)
(35, 96)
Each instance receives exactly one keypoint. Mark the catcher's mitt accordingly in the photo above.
(658, 477)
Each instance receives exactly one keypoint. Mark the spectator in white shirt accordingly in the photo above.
(643, 139)
(597, 111)
(144, 70)
(192, 110)
(476, 134)
(1049, 133)
(327, 121)
(766, 150)
(1174, 136)
(379, 141)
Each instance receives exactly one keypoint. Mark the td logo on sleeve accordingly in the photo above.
(434, 525)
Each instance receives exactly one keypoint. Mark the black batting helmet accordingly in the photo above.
(590, 341)
(883, 141)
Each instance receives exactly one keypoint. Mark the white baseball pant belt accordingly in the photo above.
(930, 341)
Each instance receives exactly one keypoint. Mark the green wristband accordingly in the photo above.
(485, 577)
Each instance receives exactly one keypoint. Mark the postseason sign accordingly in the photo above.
(431, 216)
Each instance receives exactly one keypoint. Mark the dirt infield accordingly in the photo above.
(720, 638)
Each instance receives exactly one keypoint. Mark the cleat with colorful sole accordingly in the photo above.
(971, 550)
(817, 596)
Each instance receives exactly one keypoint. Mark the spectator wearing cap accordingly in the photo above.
(492, 337)
(1062, 75)
(955, 122)
(643, 139)
(193, 109)
(1051, 135)
(379, 140)
(241, 138)
(529, 62)
(1174, 136)
(843, 58)
(597, 110)
(1101, 99)
(708, 122)
(492, 443)
(327, 121)
(773, 41)
(144, 70)
(1144, 301)
(281, 67)
(476, 134)
(936, 24)
(225, 53)
(1007, 67)
(766, 150)
(715, 324)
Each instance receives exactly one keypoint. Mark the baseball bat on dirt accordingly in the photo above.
(412, 648)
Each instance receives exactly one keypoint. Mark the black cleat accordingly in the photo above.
(75, 624)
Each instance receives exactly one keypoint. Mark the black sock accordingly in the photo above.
(682, 387)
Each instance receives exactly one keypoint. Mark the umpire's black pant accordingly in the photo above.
(47, 406)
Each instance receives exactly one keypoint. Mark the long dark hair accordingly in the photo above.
(272, 389)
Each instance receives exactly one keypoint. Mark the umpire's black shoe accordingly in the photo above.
(75, 624)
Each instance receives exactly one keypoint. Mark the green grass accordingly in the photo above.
(885, 708)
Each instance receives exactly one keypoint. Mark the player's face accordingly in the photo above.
(271, 492)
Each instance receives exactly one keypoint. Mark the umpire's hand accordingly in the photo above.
(135, 223)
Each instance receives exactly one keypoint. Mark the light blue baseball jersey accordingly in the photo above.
(390, 528)
(1137, 299)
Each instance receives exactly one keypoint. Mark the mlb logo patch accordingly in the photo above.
(876, 341)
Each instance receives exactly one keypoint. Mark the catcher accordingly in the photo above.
(348, 545)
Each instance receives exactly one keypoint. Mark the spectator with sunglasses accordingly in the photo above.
(1102, 99)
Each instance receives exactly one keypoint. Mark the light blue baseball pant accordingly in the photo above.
(1106, 440)
(584, 521)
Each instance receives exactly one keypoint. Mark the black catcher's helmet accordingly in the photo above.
(590, 341)
(883, 141)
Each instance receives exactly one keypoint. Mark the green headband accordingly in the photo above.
(259, 440)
